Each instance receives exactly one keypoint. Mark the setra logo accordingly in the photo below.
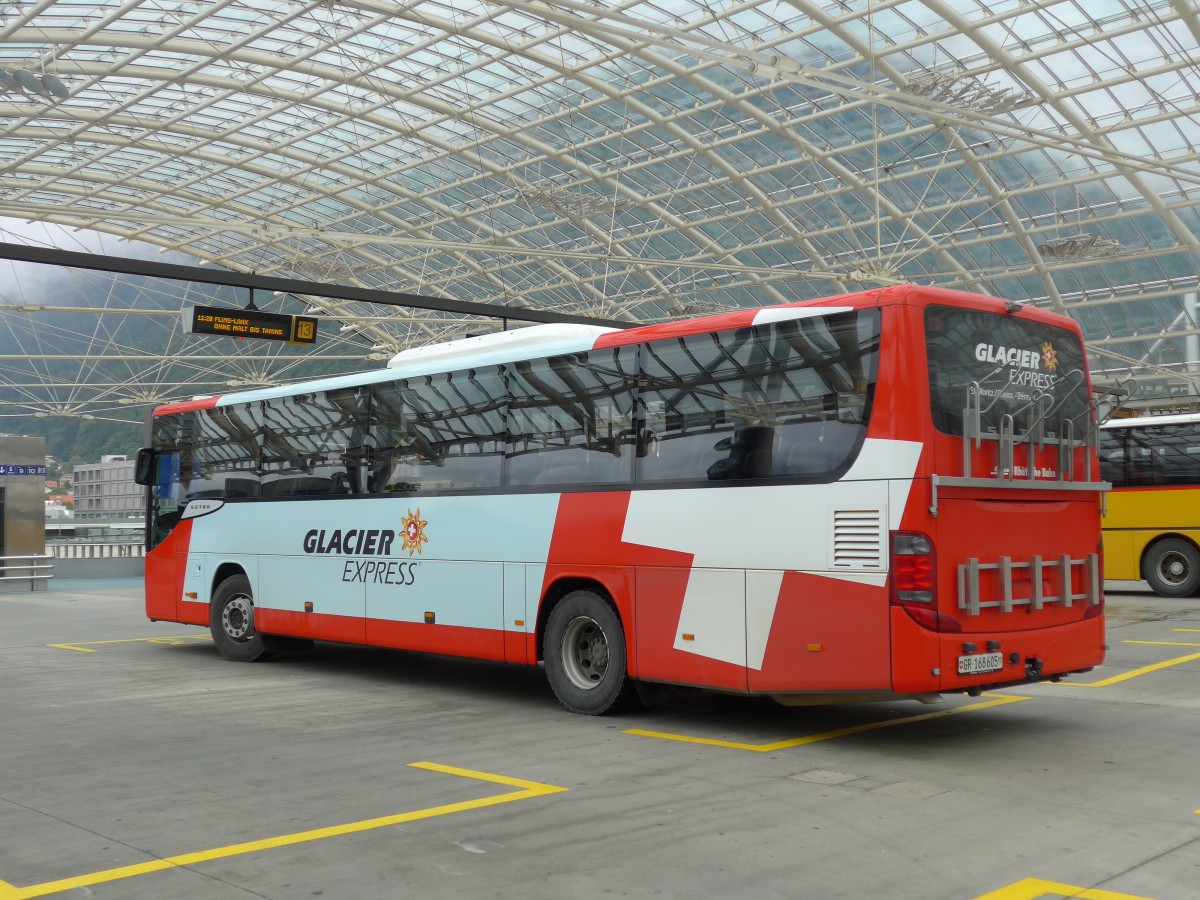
(413, 533)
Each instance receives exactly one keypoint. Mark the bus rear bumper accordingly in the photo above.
(966, 662)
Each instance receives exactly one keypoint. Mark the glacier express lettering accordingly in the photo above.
(1008, 356)
(1039, 380)
(378, 571)
(1027, 362)
(363, 542)
(352, 542)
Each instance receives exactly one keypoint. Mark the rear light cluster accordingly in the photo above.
(914, 581)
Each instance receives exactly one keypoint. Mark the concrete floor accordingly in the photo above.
(136, 763)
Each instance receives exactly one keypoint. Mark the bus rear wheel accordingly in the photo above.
(1172, 568)
(231, 621)
(586, 657)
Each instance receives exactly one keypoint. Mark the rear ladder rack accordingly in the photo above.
(968, 583)
(1034, 438)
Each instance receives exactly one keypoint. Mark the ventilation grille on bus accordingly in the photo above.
(857, 539)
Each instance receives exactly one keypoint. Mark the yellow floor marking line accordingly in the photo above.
(1034, 888)
(1144, 670)
(525, 790)
(825, 736)
(174, 641)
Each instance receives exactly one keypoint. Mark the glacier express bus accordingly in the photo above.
(886, 494)
(1152, 521)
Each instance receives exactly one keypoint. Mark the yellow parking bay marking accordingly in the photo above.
(1035, 888)
(828, 735)
(1144, 670)
(174, 641)
(525, 790)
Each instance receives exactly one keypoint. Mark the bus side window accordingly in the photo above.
(750, 454)
(1112, 467)
(311, 443)
(683, 408)
(1112, 455)
(788, 399)
(570, 419)
(1150, 454)
(1180, 455)
(222, 454)
(438, 432)
(815, 448)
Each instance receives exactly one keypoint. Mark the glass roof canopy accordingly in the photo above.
(641, 160)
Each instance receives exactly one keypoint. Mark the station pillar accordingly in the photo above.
(23, 562)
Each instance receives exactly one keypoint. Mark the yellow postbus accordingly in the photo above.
(1152, 522)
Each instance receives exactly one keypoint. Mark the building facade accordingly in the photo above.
(106, 490)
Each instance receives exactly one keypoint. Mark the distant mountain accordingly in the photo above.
(85, 363)
(72, 441)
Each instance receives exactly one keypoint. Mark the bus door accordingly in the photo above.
(306, 584)
(159, 471)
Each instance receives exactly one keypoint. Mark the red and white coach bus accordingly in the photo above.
(887, 494)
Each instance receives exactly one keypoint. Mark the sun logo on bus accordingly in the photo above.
(413, 532)
(1049, 357)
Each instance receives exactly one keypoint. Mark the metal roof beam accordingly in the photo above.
(175, 272)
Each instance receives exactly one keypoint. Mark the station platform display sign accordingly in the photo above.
(250, 323)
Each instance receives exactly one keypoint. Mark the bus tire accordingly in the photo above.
(1172, 568)
(585, 655)
(231, 621)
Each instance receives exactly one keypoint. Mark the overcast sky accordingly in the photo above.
(50, 285)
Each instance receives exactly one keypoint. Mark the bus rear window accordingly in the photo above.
(1023, 368)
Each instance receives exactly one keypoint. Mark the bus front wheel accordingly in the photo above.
(231, 621)
(586, 657)
(1172, 568)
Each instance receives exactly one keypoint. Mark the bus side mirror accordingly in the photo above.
(143, 470)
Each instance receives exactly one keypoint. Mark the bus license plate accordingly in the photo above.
(980, 662)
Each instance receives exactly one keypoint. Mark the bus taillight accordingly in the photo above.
(913, 574)
(914, 581)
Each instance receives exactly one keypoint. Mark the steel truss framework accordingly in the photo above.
(634, 161)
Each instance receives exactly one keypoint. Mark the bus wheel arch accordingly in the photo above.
(1171, 566)
(231, 617)
(582, 642)
(225, 571)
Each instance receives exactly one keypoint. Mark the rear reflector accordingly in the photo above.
(1097, 609)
